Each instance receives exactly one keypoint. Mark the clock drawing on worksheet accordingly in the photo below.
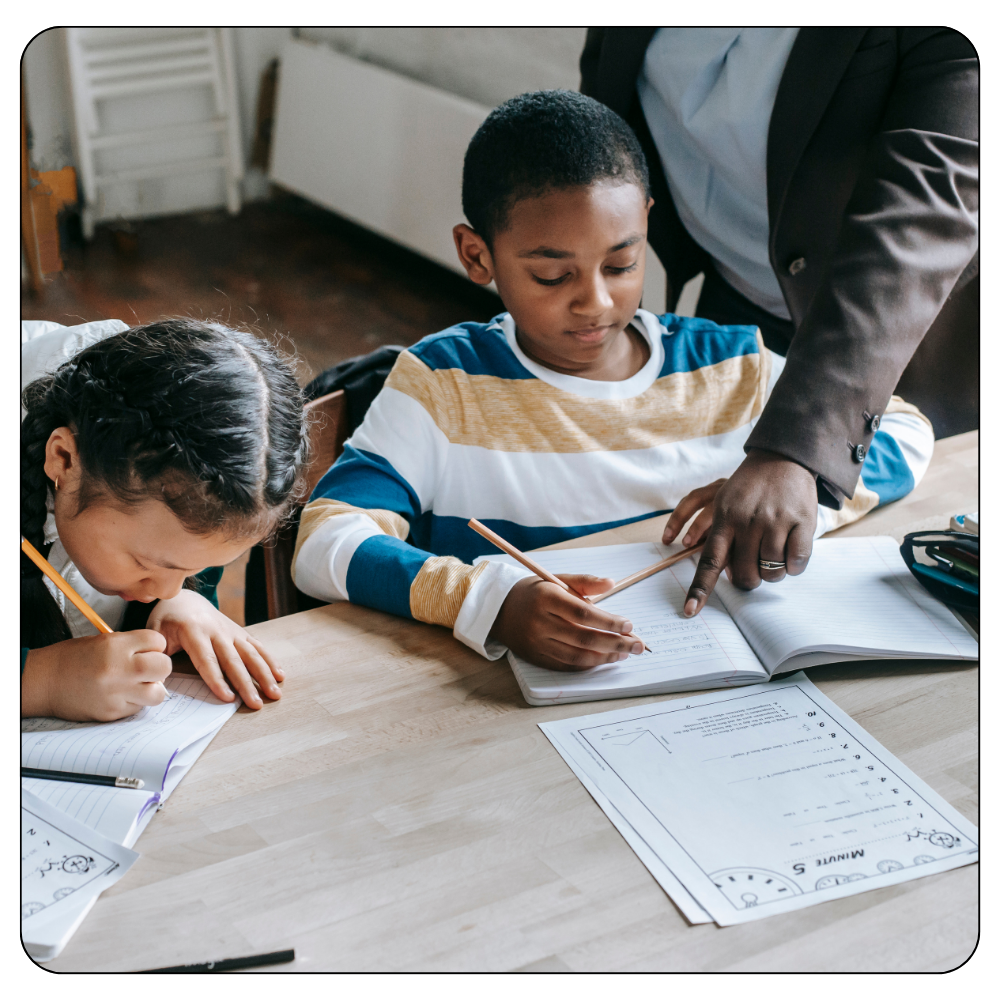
(746, 887)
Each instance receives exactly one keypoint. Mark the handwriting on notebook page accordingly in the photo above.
(140, 746)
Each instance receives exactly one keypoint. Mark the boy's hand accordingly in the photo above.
(548, 626)
(97, 678)
(217, 646)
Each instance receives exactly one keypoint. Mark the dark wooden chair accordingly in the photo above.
(327, 433)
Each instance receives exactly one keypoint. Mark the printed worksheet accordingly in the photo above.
(64, 867)
(765, 799)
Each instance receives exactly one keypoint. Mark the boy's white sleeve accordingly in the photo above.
(482, 605)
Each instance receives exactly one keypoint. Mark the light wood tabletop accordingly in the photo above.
(399, 809)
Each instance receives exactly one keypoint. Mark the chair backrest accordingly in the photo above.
(327, 432)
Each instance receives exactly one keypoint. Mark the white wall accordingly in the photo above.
(46, 85)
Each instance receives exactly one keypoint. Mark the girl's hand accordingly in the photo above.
(702, 499)
(545, 624)
(217, 646)
(97, 678)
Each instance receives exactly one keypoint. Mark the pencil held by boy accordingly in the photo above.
(148, 456)
(573, 412)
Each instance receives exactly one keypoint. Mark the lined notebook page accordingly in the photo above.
(119, 813)
(141, 746)
(687, 652)
(856, 596)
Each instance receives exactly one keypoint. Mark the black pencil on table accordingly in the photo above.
(85, 779)
(271, 958)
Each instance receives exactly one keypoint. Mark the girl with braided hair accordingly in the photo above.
(147, 455)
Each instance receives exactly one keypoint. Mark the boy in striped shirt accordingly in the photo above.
(572, 412)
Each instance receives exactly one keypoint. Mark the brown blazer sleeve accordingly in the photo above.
(909, 230)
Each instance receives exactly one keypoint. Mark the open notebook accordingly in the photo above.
(855, 601)
(157, 744)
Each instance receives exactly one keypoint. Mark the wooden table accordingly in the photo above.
(399, 809)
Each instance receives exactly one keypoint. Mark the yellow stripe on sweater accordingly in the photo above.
(529, 415)
(899, 405)
(318, 512)
(854, 509)
(439, 589)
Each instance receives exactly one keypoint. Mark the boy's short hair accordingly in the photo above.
(543, 141)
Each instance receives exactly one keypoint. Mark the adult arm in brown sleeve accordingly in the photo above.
(909, 231)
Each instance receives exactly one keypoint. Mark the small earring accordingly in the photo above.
(57, 484)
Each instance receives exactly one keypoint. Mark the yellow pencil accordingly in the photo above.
(528, 563)
(46, 567)
(663, 564)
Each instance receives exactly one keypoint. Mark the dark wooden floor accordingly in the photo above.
(296, 274)
(315, 284)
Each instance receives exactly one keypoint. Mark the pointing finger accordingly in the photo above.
(714, 558)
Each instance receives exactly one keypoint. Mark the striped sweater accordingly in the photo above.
(468, 426)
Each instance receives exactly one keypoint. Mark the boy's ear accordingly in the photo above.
(474, 254)
(649, 204)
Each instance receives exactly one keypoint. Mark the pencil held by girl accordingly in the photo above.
(149, 457)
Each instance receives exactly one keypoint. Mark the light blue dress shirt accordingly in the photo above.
(707, 94)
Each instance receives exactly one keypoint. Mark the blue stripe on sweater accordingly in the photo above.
(452, 536)
(474, 349)
(369, 481)
(380, 573)
(691, 343)
(885, 471)
(696, 343)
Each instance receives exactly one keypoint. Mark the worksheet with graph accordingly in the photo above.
(765, 799)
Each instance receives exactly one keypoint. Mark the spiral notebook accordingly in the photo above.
(855, 601)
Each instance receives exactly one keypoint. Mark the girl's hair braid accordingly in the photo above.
(205, 418)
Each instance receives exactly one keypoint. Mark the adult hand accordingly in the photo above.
(766, 510)
(553, 628)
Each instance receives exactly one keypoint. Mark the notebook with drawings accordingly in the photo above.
(856, 601)
(158, 744)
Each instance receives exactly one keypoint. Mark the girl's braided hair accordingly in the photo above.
(203, 417)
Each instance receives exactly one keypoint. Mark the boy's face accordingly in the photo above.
(569, 268)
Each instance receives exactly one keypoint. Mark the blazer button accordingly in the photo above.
(859, 453)
(797, 265)
(875, 422)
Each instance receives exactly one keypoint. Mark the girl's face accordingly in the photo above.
(140, 554)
